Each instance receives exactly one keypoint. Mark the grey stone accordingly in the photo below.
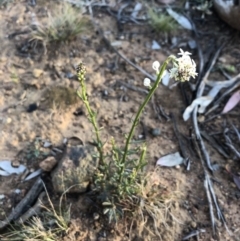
(75, 170)
(156, 132)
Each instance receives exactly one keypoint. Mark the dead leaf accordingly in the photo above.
(8, 169)
(182, 20)
(232, 102)
(202, 102)
(170, 160)
(33, 174)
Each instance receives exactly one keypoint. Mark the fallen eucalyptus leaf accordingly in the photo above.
(47, 144)
(4, 173)
(214, 91)
(203, 102)
(33, 174)
(182, 20)
(8, 169)
(232, 102)
(155, 45)
(170, 160)
(224, 83)
(137, 8)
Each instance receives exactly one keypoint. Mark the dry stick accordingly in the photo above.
(25, 203)
(194, 233)
(219, 212)
(194, 114)
(230, 144)
(34, 210)
(236, 131)
(207, 182)
(214, 144)
(206, 185)
(167, 117)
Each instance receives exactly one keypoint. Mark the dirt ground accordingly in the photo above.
(27, 76)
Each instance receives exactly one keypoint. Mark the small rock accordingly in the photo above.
(218, 223)
(32, 107)
(48, 164)
(37, 73)
(78, 112)
(74, 141)
(105, 93)
(201, 118)
(194, 210)
(156, 132)
(8, 120)
(222, 60)
(75, 170)
(69, 75)
(172, 146)
(193, 224)
(98, 105)
(121, 114)
(15, 163)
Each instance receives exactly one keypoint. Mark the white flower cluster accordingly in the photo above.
(156, 67)
(184, 67)
(147, 82)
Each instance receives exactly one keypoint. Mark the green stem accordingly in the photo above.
(140, 110)
(92, 118)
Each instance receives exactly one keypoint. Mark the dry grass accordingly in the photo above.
(151, 212)
(161, 22)
(50, 225)
(65, 23)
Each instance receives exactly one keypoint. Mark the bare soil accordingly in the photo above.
(29, 78)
